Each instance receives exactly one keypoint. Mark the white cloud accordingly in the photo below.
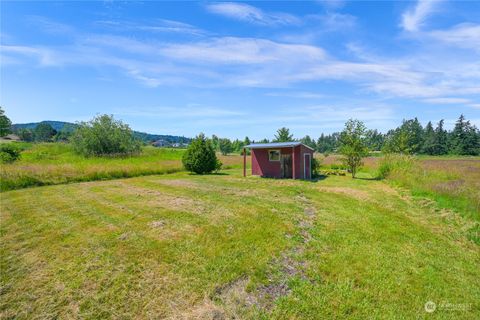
(242, 50)
(334, 21)
(254, 62)
(415, 17)
(296, 94)
(464, 35)
(44, 56)
(157, 26)
(447, 100)
(251, 14)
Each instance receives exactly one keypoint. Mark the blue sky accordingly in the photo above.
(241, 68)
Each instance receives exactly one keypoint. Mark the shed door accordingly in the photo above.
(307, 166)
(286, 165)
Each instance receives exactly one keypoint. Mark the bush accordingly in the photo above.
(315, 167)
(103, 135)
(9, 153)
(200, 156)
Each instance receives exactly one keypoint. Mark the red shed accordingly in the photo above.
(280, 160)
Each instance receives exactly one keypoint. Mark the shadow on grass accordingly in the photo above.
(319, 178)
(313, 180)
(209, 174)
(368, 178)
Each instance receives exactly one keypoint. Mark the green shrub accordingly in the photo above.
(315, 167)
(103, 135)
(200, 156)
(9, 153)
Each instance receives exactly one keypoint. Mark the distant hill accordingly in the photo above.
(146, 137)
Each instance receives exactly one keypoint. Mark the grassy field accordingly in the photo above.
(453, 182)
(56, 163)
(221, 246)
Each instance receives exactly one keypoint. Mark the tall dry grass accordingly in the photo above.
(452, 183)
(56, 163)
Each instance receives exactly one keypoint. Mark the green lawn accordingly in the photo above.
(223, 246)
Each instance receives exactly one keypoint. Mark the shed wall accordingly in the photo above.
(261, 166)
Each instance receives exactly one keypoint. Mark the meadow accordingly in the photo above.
(56, 163)
(146, 244)
(453, 182)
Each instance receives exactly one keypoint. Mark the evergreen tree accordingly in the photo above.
(375, 140)
(328, 143)
(429, 143)
(200, 156)
(441, 139)
(283, 135)
(308, 142)
(465, 138)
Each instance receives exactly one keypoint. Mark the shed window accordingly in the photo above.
(274, 155)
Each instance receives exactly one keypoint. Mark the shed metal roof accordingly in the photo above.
(276, 145)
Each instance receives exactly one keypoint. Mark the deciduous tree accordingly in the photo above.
(353, 145)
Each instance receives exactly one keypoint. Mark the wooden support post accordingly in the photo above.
(293, 162)
(244, 162)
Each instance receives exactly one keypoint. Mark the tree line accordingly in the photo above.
(409, 138)
(412, 138)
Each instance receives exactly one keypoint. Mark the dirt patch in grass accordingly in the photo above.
(354, 193)
(229, 301)
(157, 224)
(207, 310)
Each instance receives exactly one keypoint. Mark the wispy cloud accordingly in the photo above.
(49, 26)
(464, 35)
(415, 17)
(156, 26)
(296, 94)
(44, 56)
(251, 14)
(447, 100)
(242, 50)
(263, 63)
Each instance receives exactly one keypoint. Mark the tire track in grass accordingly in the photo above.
(234, 301)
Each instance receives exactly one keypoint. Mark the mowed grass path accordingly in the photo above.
(223, 246)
